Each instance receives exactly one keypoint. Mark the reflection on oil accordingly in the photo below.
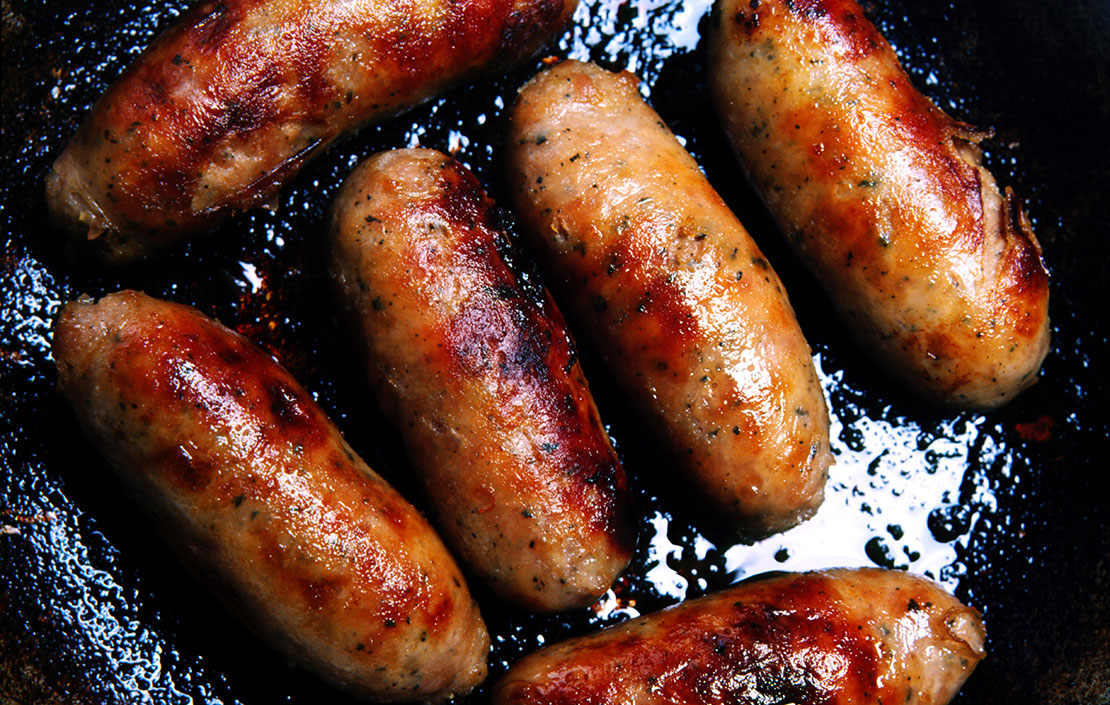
(83, 609)
(637, 36)
(900, 496)
(891, 477)
(665, 579)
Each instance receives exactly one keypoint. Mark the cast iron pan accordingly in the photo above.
(1003, 508)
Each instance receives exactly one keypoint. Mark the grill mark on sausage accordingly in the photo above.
(439, 613)
(186, 470)
(789, 647)
(499, 329)
(595, 478)
(291, 411)
(841, 20)
(652, 305)
(200, 370)
(510, 334)
(320, 592)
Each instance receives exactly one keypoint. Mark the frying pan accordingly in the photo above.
(1004, 508)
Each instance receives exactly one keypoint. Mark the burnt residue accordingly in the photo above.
(96, 610)
(839, 19)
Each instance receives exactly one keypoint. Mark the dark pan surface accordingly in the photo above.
(1008, 509)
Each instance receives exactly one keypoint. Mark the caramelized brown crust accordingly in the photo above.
(230, 102)
(258, 492)
(691, 317)
(476, 365)
(827, 638)
(882, 194)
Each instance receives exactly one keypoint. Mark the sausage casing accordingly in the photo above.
(475, 363)
(259, 494)
(693, 321)
(230, 102)
(826, 638)
(936, 271)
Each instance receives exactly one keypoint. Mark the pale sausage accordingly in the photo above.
(649, 261)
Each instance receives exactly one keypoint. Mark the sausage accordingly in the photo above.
(474, 361)
(259, 494)
(823, 638)
(692, 320)
(937, 273)
(230, 102)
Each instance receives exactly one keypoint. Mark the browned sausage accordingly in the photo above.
(257, 491)
(230, 102)
(475, 364)
(838, 637)
(936, 272)
(692, 319)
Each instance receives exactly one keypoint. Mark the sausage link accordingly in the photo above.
(259, 494)
(937, 273)
(693, 321)
(229, 103)
(823, 638)
(475, 363)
